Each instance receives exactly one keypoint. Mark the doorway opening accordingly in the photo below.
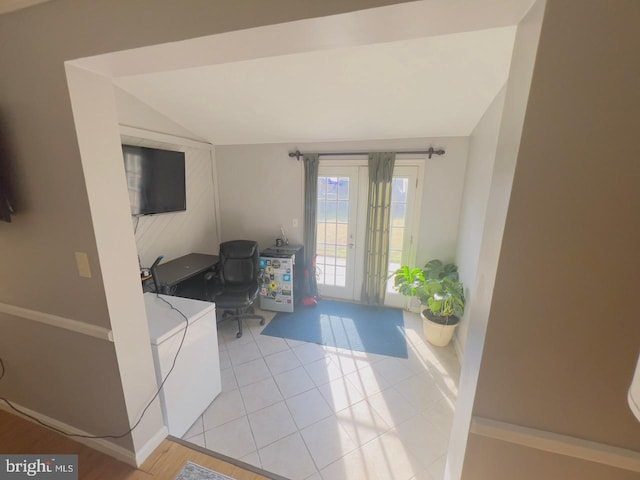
(341, 223)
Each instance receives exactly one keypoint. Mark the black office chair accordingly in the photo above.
(234, 285)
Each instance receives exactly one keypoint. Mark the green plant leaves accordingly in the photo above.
(408, 281)
(436, 285)
(433, 269)
(436, 270)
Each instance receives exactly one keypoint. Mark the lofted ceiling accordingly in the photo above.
(419, 86)
(427, 87)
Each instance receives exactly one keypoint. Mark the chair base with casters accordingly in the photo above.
(239, 314)
(234, 285)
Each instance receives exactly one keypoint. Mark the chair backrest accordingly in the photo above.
(239, 262)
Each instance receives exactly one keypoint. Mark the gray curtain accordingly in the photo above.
(377, 233)
(311, 163)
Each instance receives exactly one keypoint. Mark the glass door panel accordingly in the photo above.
(401, 231)
(335, 229)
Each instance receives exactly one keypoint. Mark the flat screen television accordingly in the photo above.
(155, 179)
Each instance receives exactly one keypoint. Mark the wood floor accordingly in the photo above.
(22, 437)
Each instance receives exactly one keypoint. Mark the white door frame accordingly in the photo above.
(352, 289)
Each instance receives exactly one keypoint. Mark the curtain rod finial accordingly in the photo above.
(433, 151)
(296, 154)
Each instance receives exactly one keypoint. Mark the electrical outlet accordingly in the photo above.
(82, 260)
(294, 223)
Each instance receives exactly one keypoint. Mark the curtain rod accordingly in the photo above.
(431, 151)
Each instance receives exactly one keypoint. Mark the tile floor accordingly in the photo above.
(309, 412)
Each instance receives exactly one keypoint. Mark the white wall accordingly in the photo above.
(515, 104)
(261, 188)
(192, 231)
(441, 202)
(98, 140)
(483, 143)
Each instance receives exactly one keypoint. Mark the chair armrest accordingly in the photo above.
(213, 286)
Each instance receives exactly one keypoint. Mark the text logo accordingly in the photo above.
(41, 467)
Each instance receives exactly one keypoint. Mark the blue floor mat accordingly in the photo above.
(345, 325)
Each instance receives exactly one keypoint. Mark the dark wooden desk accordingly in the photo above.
(182, 268)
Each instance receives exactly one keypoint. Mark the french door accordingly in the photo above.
(341, 224)
(336, 231)
(402, 232)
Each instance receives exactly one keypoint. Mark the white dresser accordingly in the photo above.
(195, 381)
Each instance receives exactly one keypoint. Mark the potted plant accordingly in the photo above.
(440, 292)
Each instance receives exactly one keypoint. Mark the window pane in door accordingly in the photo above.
(322, 187)
(343, 212)
(398, 220)
(343, 189)
(332, 188)
(322, 211)
(400, 189)
(330, 206)
(331, 229)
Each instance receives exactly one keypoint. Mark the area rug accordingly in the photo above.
(192, 471)
(345, 325)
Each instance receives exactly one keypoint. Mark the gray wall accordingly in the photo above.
(492, 459)
(563, 333)
(53, 221)
(275, 183)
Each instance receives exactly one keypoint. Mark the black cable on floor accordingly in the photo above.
(144, 411)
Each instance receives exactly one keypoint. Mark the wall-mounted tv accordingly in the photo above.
(155, 179)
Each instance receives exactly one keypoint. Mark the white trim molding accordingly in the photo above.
(216, 194)
(148, 448)
(128, 131)
(99, 444)
(59, 322)
(556, 443)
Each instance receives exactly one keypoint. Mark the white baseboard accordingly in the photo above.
(100, 444)
(149, 447)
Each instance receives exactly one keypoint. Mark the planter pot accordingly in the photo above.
(438, 330)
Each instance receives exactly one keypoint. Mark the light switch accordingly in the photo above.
(82, 260)
(294, 223)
